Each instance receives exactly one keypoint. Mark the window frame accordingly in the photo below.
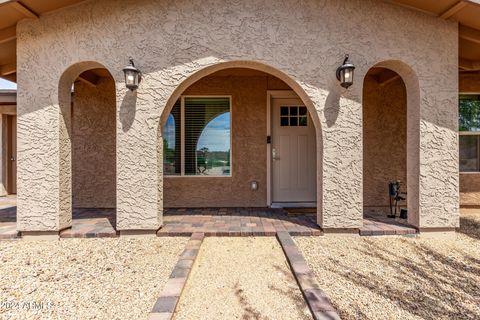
(468, 133)
(182, 135)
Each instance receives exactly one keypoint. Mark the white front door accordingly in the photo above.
(293, 152)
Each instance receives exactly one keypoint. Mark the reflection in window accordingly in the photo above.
(469, 138)
(169, 146)
(207, 136)
(206, 141)
(213, 147)
(469, 153)
(171, 142)
(469, 113)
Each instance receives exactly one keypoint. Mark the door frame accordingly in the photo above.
(273, 94)
(11, 172)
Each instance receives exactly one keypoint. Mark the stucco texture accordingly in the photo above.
(175, 43)
(93, 145)
(384, 141)
(469, 182)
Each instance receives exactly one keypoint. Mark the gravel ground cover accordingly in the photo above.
(241, 278)
(84, 278)
(397, 277)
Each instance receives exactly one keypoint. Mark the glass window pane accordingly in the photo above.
(284, 111)
(284, 121)
(207, 136)
(172, 143)
(303, 121)
(469, 113)
(302, 111)
(468, 153)
(293, 111)
(293, 121)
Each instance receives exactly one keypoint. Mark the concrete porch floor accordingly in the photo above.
(91, 223)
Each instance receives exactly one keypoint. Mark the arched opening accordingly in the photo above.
(391, 122)
(89, 114)
(384, 138)
(238, 131)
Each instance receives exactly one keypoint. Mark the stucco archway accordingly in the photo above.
(87, 140)
(249, 65)
(410, 81)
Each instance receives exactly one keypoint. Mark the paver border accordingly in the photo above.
(164, 307)
(316, 298)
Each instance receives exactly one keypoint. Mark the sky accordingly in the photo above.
(4, 84)
(215, 136)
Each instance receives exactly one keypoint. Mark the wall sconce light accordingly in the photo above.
(133, 76)
(345, 73)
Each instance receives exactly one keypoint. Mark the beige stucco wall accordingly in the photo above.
(384, 141)
(249, 150)
(301, 43)
(93, 145)
(469, 182)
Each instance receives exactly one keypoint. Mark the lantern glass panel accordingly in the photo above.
(131, 78)
(346, 77)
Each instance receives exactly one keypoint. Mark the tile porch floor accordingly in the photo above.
(8, 217)
(89, 223)
(236, 222)
(380, 225)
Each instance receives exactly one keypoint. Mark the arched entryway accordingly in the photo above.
(384, 138)
(235, 133)
(390, 140)
(89, 114)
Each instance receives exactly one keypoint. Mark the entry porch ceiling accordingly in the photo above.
(12, 11)
(466, 12)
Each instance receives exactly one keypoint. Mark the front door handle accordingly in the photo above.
(274, 154)
(12, 159)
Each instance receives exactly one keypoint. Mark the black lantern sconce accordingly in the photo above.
(345, 73)
(133, 76)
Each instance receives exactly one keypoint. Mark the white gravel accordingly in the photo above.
(84, 278)
(399, 278)
(241, 278)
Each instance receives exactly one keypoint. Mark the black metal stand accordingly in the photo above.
(395, 196)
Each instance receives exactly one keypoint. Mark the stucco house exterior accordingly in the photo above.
(239, 106)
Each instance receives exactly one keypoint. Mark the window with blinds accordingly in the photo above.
(469, 132)
(197, 135)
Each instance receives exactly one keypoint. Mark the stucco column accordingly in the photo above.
(339, 156)
(43, 157)
(439, 164)
(138, 204)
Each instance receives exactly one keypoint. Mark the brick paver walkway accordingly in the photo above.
(379, 225)
(236, 222)
(8, 218)
(166, 303)
(317, 300)
(89, 223)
